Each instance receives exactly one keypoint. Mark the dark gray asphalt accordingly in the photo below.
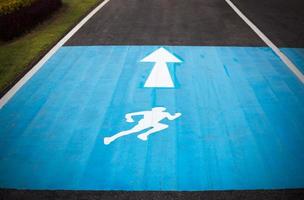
(208, 195)
(280, 20)
(166, 22)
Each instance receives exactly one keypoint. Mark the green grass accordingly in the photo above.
(16, 56)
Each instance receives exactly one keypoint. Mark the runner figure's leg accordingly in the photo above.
(156, 128)
(137, 128)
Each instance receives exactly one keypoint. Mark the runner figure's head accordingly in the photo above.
(159, 109)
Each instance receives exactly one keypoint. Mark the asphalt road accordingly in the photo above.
(169, 22)
(282, 21)
(96, 65)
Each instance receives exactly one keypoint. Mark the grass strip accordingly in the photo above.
(19, 55)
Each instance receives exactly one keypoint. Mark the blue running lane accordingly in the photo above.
(241, 125)
(296, 55)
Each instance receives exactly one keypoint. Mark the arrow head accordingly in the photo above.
(161, 55)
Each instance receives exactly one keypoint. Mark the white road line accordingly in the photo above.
(29, 74)
(277, 51)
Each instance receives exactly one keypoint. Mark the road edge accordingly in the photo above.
(268, 42)
(43, 59)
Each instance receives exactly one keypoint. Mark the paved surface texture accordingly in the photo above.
(241, 117)
(123, 195)
(224, 112)
(169, 22)
(296, 55)
(282, 21)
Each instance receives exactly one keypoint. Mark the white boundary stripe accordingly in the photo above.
(277, 51)
(29, 74)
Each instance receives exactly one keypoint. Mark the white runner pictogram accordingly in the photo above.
(151, 120)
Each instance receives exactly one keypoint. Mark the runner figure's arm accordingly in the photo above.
(173, 117)
(130, 115)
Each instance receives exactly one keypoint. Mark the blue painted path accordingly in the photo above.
(296, 55)
(241, 127)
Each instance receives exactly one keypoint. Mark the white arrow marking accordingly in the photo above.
(160, 75)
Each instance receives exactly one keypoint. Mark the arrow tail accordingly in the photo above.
(159, 76)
